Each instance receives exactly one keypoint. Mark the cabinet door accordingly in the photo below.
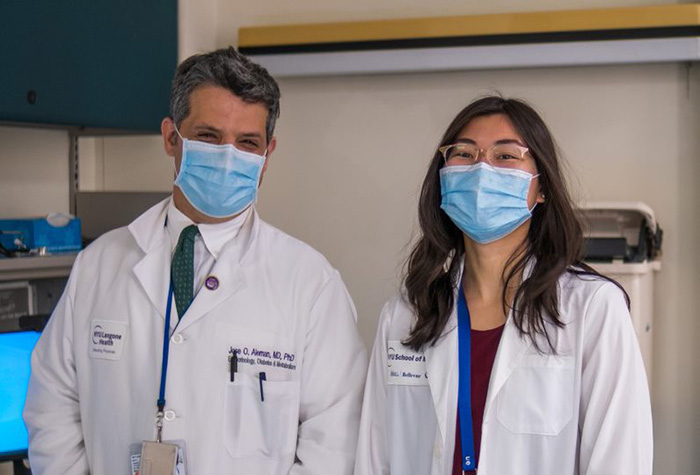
(88, 63)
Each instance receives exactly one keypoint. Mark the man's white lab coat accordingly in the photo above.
(279, 306)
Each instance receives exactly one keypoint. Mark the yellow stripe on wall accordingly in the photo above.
(472, 25)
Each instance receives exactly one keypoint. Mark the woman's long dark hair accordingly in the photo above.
(555, 238)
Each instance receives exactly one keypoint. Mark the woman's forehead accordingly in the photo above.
(489, 129)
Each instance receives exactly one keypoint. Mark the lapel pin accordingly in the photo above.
(212, 283)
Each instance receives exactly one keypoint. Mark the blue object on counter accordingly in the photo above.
(37, 233)
(15, 355)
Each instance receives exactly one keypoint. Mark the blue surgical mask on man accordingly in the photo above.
(219, 181)
(485, 202)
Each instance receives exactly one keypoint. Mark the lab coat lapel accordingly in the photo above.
(511, 349)
(229, 270)
(230, 281)
(443, 370)
(153, 270)
(441, 365)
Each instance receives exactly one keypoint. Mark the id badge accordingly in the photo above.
(158, 458)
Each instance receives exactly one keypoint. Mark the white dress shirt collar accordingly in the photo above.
(214, 236)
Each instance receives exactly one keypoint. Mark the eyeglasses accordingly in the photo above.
(507, 155)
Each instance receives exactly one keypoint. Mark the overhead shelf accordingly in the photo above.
(668, 33)
(36, 267)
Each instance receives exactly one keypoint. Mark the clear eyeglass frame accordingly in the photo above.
(507, 155)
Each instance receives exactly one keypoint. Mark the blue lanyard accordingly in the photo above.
(464, 399)
(166, 350)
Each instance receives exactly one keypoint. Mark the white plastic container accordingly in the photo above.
(624, 219)
(638, 281)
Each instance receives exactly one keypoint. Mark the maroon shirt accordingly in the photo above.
(483, 352)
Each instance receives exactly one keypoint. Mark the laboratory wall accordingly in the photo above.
(352, 153)
(33, 171)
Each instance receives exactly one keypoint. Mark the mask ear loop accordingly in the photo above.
(183, 143)
(178, 132)
(530, 210)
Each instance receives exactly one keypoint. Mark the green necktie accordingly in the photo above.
(182, 269)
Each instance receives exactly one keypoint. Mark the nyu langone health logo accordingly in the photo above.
(100, 337)
(392, 356)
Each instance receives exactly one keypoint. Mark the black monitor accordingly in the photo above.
(15, 352)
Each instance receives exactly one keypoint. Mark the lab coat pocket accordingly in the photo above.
(254, 427)
(538, 397)
(411, 427)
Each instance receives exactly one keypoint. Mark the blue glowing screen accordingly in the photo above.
(15, 352)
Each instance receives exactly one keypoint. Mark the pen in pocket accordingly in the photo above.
(262, 377)
(233, 366)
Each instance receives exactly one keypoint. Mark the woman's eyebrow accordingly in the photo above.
(497, 142)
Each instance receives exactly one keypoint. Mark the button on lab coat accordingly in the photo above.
(279, 306)
(583, 410)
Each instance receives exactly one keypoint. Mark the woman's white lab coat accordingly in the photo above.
(279, 305)
(585, 410)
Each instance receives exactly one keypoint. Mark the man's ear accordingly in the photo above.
(270, 148)
(167, 130)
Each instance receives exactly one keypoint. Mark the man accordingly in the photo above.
(265, 367)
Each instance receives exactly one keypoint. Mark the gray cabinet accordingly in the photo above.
(94, 64)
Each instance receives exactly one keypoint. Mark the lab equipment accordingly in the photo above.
(15, 352)
(55, 233)
(624, 242)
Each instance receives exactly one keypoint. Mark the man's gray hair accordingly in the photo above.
(228, 69)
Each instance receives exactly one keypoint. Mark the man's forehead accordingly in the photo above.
(215, 107)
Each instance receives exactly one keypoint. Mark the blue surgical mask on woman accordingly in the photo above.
(220, 181)
(485, 202)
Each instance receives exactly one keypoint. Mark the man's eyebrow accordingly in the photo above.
(204, 127)
(207, 127)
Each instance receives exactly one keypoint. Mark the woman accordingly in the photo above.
(505, 353)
